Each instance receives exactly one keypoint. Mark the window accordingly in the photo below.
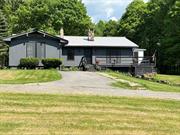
(30, 49)
(35, 49)
(41, 50)
(70, 54)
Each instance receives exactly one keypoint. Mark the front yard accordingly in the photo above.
(173, 79)
(146, 84)
(87, 115)
(28, 76)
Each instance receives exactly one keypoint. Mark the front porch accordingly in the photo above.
(125, 61)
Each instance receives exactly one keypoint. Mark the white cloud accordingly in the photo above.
(107, 2)
(109, 12)
(106, 9)
(93, 19)
(114, 18)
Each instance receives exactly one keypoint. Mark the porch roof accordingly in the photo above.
(82, 41)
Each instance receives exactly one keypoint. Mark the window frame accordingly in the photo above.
(70, 54)
(35, 49)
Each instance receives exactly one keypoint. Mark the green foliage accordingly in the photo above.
(48, 15)
(109, 28)
(29, 63)
(51, 63)
(132, 19)
(171, 41)
(3, 46)
(100, 28)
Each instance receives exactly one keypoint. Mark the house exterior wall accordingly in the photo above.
(78, 54)
(97, 52)
(53, 49)
(17, 48)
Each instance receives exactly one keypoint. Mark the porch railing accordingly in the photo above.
(125, 61)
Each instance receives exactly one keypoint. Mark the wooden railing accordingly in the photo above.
(125, 61)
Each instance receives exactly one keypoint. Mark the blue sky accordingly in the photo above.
(106, 9)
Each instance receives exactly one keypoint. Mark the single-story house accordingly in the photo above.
(104, 51)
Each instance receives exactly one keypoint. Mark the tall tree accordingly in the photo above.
(171, 39)
(132, 19)
(49, 15)
(72, 15)
(111, 28)
(3, 46)
(100, 28)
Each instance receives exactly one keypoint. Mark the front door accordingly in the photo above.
(88, 55)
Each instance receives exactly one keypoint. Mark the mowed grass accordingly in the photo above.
(173, 79)
(87, 115)
(28, 76)
(150, 85)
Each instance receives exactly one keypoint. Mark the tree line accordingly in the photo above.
(154, 26)
(47, 15)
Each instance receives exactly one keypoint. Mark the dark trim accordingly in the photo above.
(61, 40)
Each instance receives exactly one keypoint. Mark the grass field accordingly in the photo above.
(173, 79)
(150, 85)
(28, 76)
(87, 115)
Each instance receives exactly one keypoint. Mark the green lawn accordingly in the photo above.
(150, 85)
(28, 76)
(87, 115)
(173, 79)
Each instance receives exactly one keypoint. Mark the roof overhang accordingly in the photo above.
(61, 40)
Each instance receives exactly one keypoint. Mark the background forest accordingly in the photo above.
(154, 25)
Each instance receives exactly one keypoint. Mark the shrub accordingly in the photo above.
(29, 63)
(51, 63)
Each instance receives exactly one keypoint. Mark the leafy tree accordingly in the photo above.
(3, 46)
(72, 15)
(151, 31)
(111, 28)
(100, 28)
(155, 26)
(132, 19)
(171, 40)
(50, 16)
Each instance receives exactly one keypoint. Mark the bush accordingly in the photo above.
(51, 63)
(29, 63)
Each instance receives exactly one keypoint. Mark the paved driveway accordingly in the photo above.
(85, 83)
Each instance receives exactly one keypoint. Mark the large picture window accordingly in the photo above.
(70, 54)
(35, 50)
